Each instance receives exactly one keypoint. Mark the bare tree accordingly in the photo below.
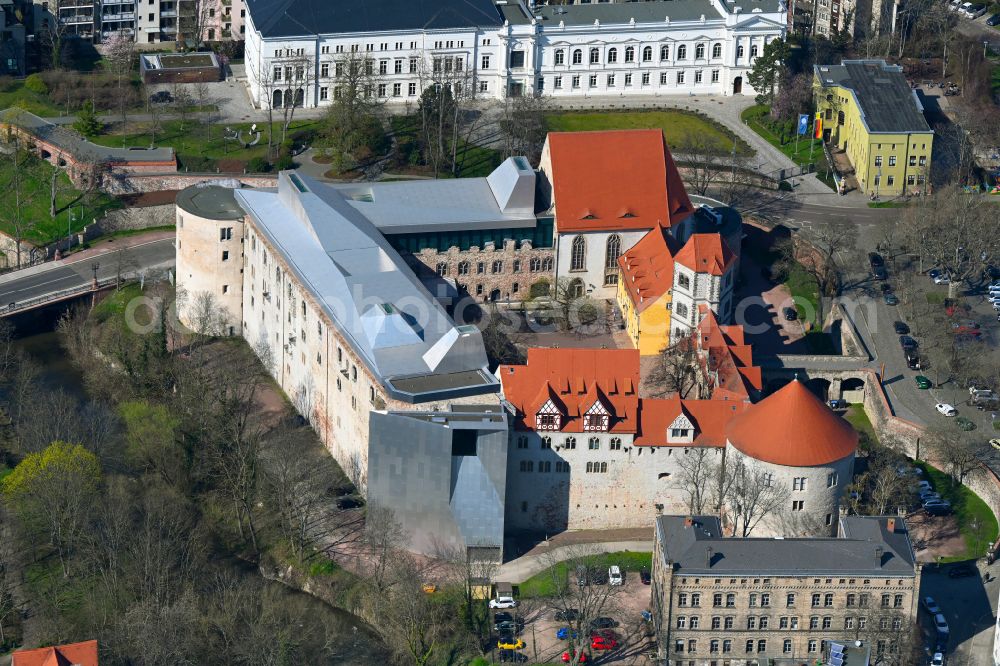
(383, 543)
(676, 371)
(959, 455)
(703, 160)
(299, 84)
(23, 168)
(120, 56)
(697, 478)
(826, 255)
(356, 109)
(750, 495)
(522, 125)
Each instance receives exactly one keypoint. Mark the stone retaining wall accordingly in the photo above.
(133, 218)
(135, 182)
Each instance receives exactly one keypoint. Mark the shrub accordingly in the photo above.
(258, 165)
(284, 162)
(88, 124)
(539, 288)
(198, 164)
(784, 186)
(35, 84)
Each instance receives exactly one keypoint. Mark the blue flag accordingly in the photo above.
(803, 123)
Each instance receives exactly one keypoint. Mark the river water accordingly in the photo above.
(354, 642)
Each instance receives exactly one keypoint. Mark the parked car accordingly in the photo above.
(606, 640)
(930, 606)
(567, 615)
(923, 485)
(941, 624)
(646, 578)
(890, 299)
(161, 97)
(900, 327)
(946, 409)
(790, 314)
(944, 278)
(512, 657)
(565, 633)
(838, 403)
(937, 659)
(879, 273)
(995, 443)
(603, 623)
(933, 273)
(875, 259)
(615, 576)
(962, 571)
(568, 655)
(510, 642)
(503, 602)
(598, 576)
(906, 342)
(508, 628)
(912, 359)
(922, 382)
(938, 510)
(582, 578)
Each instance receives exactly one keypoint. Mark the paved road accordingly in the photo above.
(56, 276)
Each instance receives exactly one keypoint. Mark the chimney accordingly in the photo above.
(878, 557)
(708, 557)
(689, 521)
(891, 525)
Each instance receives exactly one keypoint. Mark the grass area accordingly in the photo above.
(36, 182)
(805, 293)
(543, 584)
(995, 76)
(202, 146)
(473, 161)
(676, 125)
(115, 303)
(857, 417)
(935, 298)
(887, 204)
(800, 152)
(969, 510)
(17, 95)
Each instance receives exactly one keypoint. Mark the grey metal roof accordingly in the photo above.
(656, 11)
(76, 145)
(404, 336)
(687, 546)
(210, 202)
(887, 102)
(289, 18)
(505, 199)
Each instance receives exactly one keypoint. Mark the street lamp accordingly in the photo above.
(878, 182)
(95, 267)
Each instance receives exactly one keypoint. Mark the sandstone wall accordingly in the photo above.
(130, 183)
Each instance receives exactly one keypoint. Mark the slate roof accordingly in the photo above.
(852, 553)
(404, 336)
(624, 12)
(291, 18)
(886, 101)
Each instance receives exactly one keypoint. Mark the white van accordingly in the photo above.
(615, 575)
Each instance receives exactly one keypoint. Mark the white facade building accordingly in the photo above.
(663, 47)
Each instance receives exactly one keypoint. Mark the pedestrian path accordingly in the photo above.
(544, 555)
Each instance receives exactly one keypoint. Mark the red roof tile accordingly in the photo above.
(709, 417)
(727, 358)
(706, 253)
(792, 427)
(576, 379)
(648, 268)
(75, 654)
(615, 180)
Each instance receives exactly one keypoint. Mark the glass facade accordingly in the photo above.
(540, 236)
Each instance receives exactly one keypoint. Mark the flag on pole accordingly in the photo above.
(818, 127)
(803, 123)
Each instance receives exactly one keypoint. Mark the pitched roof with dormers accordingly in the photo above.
(726, 358)
(792, 427)
(709, 418)
(74, 654)
(706, 253)
(648, 268)
(615, 180)
(574, 380)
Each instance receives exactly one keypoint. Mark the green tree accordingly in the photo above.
(53, 492)
(768, 69)
(88, 124)
(150, 431)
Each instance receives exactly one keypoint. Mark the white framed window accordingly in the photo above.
(612, 55)
(629, 54)
(665, 52)
(578, 56)
(560, 57)
(557, 83)
(680, 78)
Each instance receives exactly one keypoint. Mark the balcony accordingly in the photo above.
(76, 19)
(168, 13)
(124, 16)
(169, 29)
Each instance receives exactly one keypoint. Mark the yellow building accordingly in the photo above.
(869, 111)
(644, 291)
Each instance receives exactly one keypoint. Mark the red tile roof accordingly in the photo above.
(727, 357)
(709, 417)
(75, 654)
(706, 253)
(792, 427)
(575, 379)
(615, 180)
(648, 268)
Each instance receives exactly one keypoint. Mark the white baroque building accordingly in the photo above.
(660, 47)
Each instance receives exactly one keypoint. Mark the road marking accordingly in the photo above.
(41, 284)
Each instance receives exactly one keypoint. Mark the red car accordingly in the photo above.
(568, 655)
(966, 327)
(603, 641)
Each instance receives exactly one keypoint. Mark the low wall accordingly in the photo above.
(133, 218)
(121, 183)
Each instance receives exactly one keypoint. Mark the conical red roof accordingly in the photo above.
(792, 427)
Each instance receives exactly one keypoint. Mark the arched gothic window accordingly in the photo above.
(578, 255)
(614, 250)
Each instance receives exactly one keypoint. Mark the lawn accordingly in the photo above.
(35, 193)
(857, 417)
(543, 584)
(995, 76)
(200, 146)
(804, 292)
(473, 161)
(676, 125)
(800, 153)
(969, 509)
(17, 95)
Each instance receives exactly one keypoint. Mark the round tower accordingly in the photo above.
(210, 260)
(807, 454)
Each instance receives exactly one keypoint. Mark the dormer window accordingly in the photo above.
(679, 433)
(596, 418)
(548, 417)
